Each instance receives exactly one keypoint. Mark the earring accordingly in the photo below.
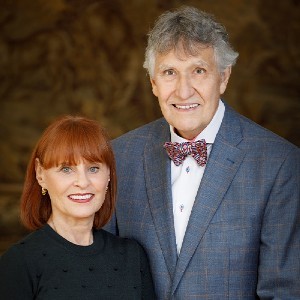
(107, 185)
(44, 191)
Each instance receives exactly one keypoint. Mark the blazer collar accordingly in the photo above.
(158, 184)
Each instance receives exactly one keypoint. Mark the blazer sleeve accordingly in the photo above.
(279, 261)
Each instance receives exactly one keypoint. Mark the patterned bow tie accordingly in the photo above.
(179, 151)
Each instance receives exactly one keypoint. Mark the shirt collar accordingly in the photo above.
(210, 131)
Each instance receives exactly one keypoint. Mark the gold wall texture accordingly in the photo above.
(85, 57)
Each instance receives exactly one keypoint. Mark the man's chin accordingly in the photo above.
(187, 133)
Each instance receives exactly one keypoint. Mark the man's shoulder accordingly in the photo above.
(143, 133)
(253, 133)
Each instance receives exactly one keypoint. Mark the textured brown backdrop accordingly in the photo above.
(85, 57)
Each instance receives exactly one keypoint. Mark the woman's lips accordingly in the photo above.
(82, 198)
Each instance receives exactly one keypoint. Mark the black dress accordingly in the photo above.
(46, 266)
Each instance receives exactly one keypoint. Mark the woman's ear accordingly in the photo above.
(39, 172)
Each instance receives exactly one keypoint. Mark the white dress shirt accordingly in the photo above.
(186, 177)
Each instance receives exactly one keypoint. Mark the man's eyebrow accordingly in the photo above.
(165, 66)
(169, 66)
(201, 63)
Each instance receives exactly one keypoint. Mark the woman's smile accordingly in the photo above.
(81, 198)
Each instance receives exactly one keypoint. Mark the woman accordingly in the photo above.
(69, 194)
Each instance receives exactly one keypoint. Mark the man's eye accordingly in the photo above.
(169, 72)
(200, 71)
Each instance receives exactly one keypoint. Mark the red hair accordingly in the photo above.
(69, 139)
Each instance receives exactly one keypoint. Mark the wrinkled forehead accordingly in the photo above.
(183, 53)
(183, 47)
(203, 57)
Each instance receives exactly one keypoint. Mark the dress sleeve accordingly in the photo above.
(15, 281)
(147, 283)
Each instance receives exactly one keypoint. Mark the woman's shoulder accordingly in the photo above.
(116, 240)
(123, 253)
(28, 243)
(121, 244)
(25, 253)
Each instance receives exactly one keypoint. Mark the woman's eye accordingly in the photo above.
(66, 169)
(94, 169)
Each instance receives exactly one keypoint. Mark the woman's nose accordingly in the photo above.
(82, 180)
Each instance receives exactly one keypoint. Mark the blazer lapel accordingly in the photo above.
(221, 168)
(158, 184)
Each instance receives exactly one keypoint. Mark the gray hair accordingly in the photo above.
(186, 29)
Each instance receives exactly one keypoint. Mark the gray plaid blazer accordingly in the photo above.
(243, 236)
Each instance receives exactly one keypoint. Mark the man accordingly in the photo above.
(223, 222)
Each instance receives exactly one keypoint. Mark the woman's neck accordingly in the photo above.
(79, 233)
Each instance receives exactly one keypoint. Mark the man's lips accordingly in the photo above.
(186, 106)
(82, 198)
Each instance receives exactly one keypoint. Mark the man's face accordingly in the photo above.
(188, 89)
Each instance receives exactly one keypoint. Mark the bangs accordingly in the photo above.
(71, 143)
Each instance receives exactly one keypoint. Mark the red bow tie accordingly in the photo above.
(179, 151)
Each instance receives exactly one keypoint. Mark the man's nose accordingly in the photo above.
(184, 88)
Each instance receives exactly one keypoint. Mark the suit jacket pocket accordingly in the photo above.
(240, 241)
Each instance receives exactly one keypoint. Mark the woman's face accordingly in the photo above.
(76, 192)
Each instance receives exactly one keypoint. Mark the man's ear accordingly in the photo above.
(154, 86)
(225, 75)
(39, 171)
